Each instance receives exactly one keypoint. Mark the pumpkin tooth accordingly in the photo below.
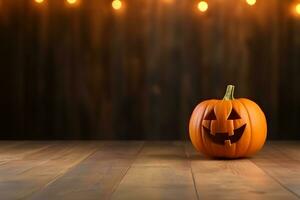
(231, 133)
(227, 143)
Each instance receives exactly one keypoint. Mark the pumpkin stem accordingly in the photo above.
(229, 93)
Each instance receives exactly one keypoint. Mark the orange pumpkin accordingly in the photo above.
(228, 128)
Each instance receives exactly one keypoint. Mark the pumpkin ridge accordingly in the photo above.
(195, 119)
(232, 124)
(250, 122)
(208, 145)
(198, 131)
(195, 132)
(234, 102)
(210, 125)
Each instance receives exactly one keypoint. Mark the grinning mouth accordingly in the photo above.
(224, 138)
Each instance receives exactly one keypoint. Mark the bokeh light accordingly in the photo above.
(39, 1)
(71, 1)
(251, 2)
(297, 9)
(202, 6)
(116, 4)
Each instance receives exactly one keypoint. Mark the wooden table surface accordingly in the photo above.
(144, 170)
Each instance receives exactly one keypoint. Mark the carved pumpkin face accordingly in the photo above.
(229, 135)
(228, 128)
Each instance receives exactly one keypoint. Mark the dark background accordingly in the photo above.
(89, 72)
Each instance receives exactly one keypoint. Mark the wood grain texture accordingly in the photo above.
(289, 148)
(97, 176)
(23, 176)
(280, 160)
(237, 179)
(60, 170)
(90, 72)
(161, 171)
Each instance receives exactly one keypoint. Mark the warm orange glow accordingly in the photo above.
(251, 2)
(71, 1)
(39, 1)
(168, 1)
(297, 9)
(202, 6)
(116, 4)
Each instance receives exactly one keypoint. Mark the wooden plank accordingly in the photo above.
(20, 178)
(162, 154)
(281, 161)
(233, 179)
(17, 150)
(290, 148)
(4, 144)
(95, 177)
(161, 171)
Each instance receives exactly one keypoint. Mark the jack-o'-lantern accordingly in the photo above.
(228, 128)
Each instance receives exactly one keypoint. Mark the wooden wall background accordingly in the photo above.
(89, 72)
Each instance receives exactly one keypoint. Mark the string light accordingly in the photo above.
(251, 2)
(39, 1)
(202, 6)
(297, 9)
(71, 1)
(116, 4)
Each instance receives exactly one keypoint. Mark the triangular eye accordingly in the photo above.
(233, 115)
(211, 115)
